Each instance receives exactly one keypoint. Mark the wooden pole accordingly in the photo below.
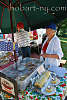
(10, 2)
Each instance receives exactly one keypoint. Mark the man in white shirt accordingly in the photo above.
(23, 39)
(53, 51)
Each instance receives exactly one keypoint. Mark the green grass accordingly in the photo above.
(65, 33)
(63, 39)
(64, 48)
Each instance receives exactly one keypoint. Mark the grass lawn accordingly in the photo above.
(64, 48)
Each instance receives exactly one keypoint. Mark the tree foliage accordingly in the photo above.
(63, 28)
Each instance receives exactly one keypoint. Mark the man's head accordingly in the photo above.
(51, 29)
(20, 25)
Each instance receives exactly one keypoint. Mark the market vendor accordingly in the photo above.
(51, 49)
(23, 40)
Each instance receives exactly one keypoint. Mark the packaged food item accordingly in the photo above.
(55, 81)
(49, 89)
(42, 80)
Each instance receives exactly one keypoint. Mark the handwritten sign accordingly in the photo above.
(8, 85)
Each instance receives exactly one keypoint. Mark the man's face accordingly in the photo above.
(49, 31)
(18, 29)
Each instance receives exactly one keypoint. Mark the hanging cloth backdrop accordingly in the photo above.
(8, 46)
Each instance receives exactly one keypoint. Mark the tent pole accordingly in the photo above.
(12, 33)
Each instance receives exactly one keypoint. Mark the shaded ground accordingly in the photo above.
(34, 52)
(35, 55)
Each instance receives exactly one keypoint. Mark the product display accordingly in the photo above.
(49, 89)
(4, 62)
(23, 73)
(34, 84)
(42, 80)
(55, 81)
(51, 93)
(6, 59)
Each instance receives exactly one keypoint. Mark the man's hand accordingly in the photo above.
(44, 55)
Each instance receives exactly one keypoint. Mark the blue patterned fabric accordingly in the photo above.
(7, 46)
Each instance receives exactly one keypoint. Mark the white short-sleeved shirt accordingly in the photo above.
(54, 47)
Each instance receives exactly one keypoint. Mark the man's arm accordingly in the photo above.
(50, 56)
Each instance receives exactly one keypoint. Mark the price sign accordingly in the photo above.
(8, 85)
